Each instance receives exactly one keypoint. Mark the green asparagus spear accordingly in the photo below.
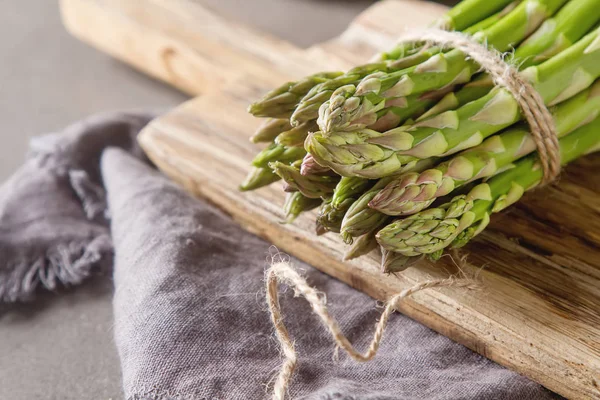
(295, 137)
(269, 130)
(311, 186)
(310, 167)
(409, 54)
(280, 102)
(330, 218)
(406, 55)
(360, 246)
(464, 217)
(261, 174)
(470, 12)
(296, 203)
(413, 192)
(571, 23)
(352, 103)
(360, 219)
(392, 262)
(371, 154)
(344, 195)
(257, 178)
(308, 107)
(277, 152)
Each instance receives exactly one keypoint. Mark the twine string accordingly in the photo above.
(537, 115)
(282, 272)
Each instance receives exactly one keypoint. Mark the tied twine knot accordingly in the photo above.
(282, 272)
(537, 115)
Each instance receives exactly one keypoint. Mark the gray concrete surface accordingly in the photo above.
(60, 347)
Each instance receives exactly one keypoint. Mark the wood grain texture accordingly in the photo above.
(539, 310)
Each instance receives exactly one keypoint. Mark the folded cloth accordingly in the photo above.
(191, 320)
(52, 224)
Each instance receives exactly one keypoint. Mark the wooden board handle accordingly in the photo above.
(194, 49)
(179, 41)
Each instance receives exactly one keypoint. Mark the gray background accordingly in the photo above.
(61, 346)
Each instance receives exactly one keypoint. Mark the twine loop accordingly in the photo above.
(537, 115)
(282, 272)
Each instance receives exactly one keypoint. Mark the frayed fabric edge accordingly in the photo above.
(91, 195)
(66, 264)
(159, 394)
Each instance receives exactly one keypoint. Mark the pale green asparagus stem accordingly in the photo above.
(277, 152)
(413, 192)
(295, 204)
(269, 130)
(371, 154)
(456, 222)
(257, 178)
(353, 103)
(425, 105)
(330, 218)
(360, 220)
(295, 137)
(392, 262)
(346, 192)
(470, 12)
(569, 25)
(308, 107)
(310, 167)
(280, 102)
(311, 186)
(261, 174)
(361, 246)
(405, 56)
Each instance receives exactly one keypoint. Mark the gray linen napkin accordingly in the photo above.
(190, 315)
(52, 224)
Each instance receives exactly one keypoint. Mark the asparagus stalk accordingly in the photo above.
(360, 246)
(571, 23)
(310, 167)
(280, 102)
(277, 152)
(311, 186)
(392, 262)
(308, 107)
(472, 12)
(360, 219)
(295, 204)
(261, 174)
(330, 218)
(257, 178)
(371, 154)
(456, 222)
(344, 195)
(270, 129)
(414, 192)
(295, 137)
(357, 102)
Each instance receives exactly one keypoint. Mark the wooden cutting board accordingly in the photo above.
(539, 312)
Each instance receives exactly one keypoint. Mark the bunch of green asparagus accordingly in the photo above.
(413, 153)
